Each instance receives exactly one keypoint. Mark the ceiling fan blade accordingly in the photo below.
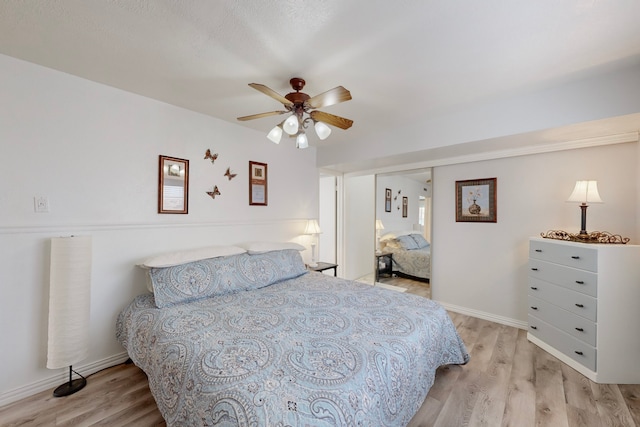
(330, 119)
(261, 115)
(330, 97)
(272, 93)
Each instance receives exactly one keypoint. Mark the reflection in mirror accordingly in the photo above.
(403, 227)
(173, 185)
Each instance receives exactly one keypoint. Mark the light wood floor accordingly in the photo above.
(508, 382)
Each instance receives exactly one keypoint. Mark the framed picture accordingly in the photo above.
(405, 203)
(387, 200)
(173, 185)
(257, 184)
(476, 200)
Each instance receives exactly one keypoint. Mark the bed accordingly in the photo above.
(254, 339)
(411, 254)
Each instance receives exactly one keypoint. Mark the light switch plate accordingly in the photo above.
(41, 204)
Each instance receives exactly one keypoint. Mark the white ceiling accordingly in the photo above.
(401, 60)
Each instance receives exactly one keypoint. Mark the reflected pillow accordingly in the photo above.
(421, 242)
(407, 242)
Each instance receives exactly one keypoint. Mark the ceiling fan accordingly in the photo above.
(303, 109)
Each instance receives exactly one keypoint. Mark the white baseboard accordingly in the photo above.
(59, 378)
(486, 316)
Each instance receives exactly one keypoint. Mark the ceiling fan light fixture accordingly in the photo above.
(291, 125)
(322, 130)
(302, 141)
(275, 134)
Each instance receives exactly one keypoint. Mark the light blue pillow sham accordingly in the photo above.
(223, 275)
(407, 242)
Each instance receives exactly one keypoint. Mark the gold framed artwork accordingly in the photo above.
(476, 200)
(173, 185)
(257, 184)
(405, 206)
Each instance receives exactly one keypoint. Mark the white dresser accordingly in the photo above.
(584, 307)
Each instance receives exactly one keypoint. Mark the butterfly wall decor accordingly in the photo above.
(214, 193)
(230, 175)
(208, 155)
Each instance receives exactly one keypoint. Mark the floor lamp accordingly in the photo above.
(69, 303)
(313, 229)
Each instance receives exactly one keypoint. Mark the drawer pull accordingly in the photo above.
(580, 282)
(534, 307)
(538, 250)
(580, 305)
(579, 329)
(534, 327)
(579, 352)
(534, 269)
(534, 288)
(575, 257)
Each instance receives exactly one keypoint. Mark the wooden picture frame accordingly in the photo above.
(387, 200)
(173, 185)
(258, 184)
(476, 200)
(405, 206)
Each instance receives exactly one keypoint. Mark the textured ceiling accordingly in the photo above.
(402, 61)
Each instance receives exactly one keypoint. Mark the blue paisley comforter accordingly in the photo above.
(309, 351)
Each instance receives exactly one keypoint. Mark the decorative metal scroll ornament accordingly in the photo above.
(592, 237)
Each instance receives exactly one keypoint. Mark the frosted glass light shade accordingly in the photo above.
(312, 227)
(302, 141)
(69, 301)
(290, 125)
(379, 225)
(585, 192)
(322, 130)
(275, 134)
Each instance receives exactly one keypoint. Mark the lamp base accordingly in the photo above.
(70, 387)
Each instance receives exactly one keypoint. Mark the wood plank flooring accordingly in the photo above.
(508, 382)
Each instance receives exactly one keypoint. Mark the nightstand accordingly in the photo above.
(384, 264)
(322, 266)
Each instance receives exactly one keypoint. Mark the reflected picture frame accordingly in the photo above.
(387, 200)
(173, 185)
(476, 200)
(258, 194)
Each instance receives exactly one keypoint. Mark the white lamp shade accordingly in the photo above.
(585, 192)
(302, 141)
(290, 125)
(69, 301)
(275, 134)
(379, 225)
(322, 130)
(312, 227)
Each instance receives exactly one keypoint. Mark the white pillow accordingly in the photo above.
(262, 247)
(182, 257)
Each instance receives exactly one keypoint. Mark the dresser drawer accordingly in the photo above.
(581, 257)
(582, 281)
(575, 302)
(577, 326)
(563, 342)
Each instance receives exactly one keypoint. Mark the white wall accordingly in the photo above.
(93, 151)
(359, 220)
(327, 219)
(481, 268)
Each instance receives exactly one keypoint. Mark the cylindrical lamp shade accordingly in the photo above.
(69, 301)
